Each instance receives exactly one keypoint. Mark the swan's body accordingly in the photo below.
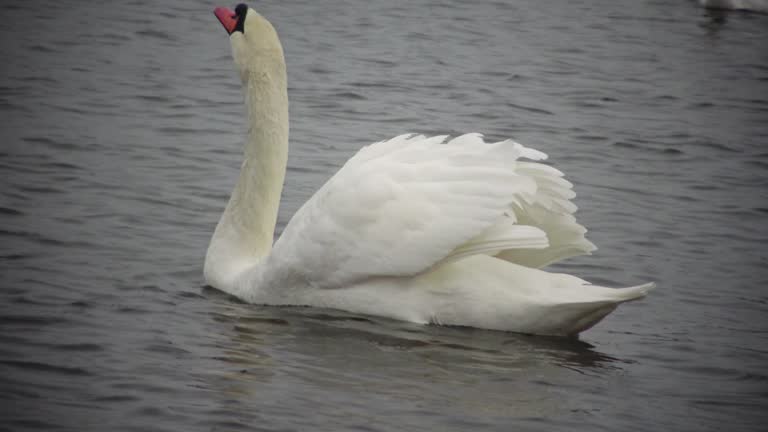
(427, 230)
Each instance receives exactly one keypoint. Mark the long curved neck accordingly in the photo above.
(245, 231)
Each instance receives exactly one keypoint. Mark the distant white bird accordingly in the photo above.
(421, 229)
(748, 5)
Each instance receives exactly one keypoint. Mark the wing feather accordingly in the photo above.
(400, 206)
(550, 210)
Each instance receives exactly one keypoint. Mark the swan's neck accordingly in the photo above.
(245, 231)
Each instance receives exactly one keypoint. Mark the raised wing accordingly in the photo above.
(399, 207)
(550, 210)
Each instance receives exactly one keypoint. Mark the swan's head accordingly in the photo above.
(255, 45)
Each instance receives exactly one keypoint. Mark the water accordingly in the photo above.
(121, 133)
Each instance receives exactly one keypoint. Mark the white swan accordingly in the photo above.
(427, 230)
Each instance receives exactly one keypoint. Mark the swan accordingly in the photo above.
(429, 230)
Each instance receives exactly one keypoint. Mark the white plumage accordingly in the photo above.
(424, 229)
(402, 206)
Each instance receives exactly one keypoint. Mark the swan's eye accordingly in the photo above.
(241, 9)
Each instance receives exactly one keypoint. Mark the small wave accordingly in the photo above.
(119, 399)
(264, 320)
(379, 62)
(7, 211)
(114, 37)
(634, 146)
(34, 424)
(350, 95)
(156, 34)
(46, 367)
(37, 320)
(80, 347)
(14, 257)
(378, 84)
(49, 142)
(758, 163)
(41, 48)
(148, 388)
(166, 349)
(530, 109)
(152, 98)
(340, 317)
(41, 190)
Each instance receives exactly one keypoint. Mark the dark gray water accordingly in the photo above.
(121, 133)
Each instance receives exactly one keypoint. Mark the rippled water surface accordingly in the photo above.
(121, 133)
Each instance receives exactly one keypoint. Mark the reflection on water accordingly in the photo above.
(271, 350)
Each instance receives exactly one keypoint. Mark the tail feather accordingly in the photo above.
(622, 295)
(581, 316)
(487, 292)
